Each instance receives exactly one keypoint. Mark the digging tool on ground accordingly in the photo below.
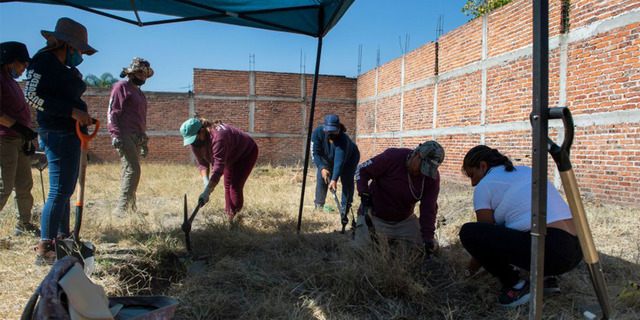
(343, 215)
(561, 156)
(83, 251)
(39, 161)
(186, 225)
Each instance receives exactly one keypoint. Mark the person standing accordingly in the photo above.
(221, 149)
(54, 87)
(336, 157)
(127, 116)
(16, 136)
(501, 237)
(390, 184)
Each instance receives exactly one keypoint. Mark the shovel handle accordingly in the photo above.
(85, 138)
(560, 154)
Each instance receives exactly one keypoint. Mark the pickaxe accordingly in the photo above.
(343, 215)
(186, 225)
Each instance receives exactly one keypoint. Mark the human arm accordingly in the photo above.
(116, 101)
(25, 132)
(371, 169)
(429, 209)
(317, 153)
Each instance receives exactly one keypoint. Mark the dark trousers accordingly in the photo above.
(347, 180)
(234, 179)
(499, 248)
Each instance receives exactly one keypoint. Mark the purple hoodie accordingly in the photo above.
(386, 177)
(127, 110)
(12, 104)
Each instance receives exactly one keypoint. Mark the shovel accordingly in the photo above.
(343, 215)
(186, 225)
(83, 251)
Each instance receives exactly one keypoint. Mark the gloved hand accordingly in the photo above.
(429, 248)
(25, 132)
(117, 143)
(205, 181)
(366, 199)
(145, 150)
(204, 197)
(28, 148)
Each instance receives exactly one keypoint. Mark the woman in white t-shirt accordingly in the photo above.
(501, 238)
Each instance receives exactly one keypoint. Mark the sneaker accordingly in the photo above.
(550, 285)
(45, 253)
(511, 297)
(26, 228)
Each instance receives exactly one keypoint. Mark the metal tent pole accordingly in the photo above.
(540, 123)
(309, 131)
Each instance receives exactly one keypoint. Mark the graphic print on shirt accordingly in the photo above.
(220, 127)
(364, 164)
(33, 79)
(109, 120)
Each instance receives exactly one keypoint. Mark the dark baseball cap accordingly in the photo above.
(331, 123)
(432, 156)
(12, 51)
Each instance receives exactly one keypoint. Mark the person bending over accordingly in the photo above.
(390, 184)
(223, 150)
(501, 238)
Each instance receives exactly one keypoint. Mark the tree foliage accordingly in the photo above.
(478, 8)
(106, 80)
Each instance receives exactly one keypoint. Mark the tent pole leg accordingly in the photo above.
(309, 131)
(540, 123)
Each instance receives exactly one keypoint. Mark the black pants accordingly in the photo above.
(498, 248)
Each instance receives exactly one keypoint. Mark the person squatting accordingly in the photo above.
(389, 185)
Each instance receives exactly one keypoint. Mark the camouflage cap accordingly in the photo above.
(138, 65)
(432, 155)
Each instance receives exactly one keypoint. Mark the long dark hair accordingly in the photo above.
(491, 156)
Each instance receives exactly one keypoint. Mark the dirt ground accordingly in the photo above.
(261, 268)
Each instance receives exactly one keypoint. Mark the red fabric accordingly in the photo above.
(12, 104)
(127, 110)
(234, 179)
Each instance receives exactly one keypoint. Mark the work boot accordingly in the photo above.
(26, 229)
(45, 253)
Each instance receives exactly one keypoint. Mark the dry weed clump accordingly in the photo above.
(261, 268)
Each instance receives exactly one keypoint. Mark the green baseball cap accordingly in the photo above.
(189, 130)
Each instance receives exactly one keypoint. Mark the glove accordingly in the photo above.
(205, 181)
(366, 199)
(117, 143)
(204, 197)
(28, 148)
(145, 151)
(25, 132)
(429, 248)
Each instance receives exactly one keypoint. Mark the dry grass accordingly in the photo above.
(262, 269)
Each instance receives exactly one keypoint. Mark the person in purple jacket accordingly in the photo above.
(16, 136)
(390, 184)
(127, 126)
(221, 149)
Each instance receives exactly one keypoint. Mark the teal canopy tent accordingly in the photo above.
(313, 18)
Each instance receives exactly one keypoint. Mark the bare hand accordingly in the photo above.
(325, 175)
(333, 186)
(81, 116)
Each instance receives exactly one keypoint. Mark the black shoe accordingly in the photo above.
(511, 297)
(26, 228)
(551, 285)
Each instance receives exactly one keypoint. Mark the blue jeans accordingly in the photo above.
(63, 155)
(347, 180)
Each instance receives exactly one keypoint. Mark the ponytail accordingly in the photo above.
(492, 157)
(206, 123)
(343, 128)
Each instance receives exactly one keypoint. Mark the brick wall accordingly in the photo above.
(482, 93)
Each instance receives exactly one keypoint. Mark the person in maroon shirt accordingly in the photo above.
(127, 126)
(221, 149)
(16, 136)
(390, 184)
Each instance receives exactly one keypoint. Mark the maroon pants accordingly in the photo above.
(234, 180)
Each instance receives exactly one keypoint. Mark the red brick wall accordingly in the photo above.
(227, 82)
(597, 74)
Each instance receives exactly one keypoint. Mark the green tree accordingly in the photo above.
(478, 8)
(107, 80)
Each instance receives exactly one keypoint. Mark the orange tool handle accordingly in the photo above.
(85, 138)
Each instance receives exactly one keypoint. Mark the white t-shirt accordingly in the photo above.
(508, 194)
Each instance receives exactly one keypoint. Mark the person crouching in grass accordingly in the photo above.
(501, 237)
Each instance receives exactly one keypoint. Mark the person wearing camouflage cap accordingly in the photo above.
(127, 117)
(390, 184)
(16, 136)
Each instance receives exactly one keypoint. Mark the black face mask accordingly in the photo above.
(333, 136)
(136, 81)
(197, 143)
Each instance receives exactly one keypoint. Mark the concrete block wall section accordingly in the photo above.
(482, 92)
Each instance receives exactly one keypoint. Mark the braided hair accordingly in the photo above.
(491, 156)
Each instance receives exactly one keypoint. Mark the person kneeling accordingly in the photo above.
(501, 238)
(390, 184)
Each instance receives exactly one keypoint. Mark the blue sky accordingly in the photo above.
(175, 49)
